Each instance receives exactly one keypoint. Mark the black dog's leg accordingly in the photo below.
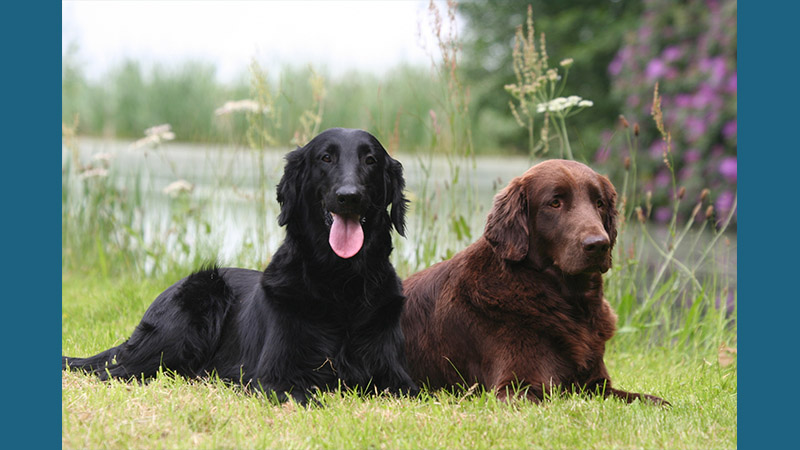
(283, 392)
(388, 362)
(179, 331)
(392, 352)
(394, 378)
(138, 357)
(92, 364)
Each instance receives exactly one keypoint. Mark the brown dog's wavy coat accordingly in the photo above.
(523, 306)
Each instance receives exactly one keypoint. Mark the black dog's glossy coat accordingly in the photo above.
(311, 319)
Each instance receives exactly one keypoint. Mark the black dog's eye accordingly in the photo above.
(370, 160)
(326, 158)
(555, 203)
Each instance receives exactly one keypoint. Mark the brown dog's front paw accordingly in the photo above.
(629, 397)
(655, 400)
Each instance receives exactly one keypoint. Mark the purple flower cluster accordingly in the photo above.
(689, 49)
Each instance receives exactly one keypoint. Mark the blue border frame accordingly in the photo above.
(31, 264)
(768, 187)
(767, 196)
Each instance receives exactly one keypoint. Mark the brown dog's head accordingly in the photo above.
(559, 213)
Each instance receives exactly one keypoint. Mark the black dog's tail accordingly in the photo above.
(96, 364)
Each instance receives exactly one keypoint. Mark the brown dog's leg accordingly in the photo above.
(603, 387)
(510, 390)
(629, 397)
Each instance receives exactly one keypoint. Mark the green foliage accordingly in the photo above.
(660, 279)
(129, 99)
(590, 32)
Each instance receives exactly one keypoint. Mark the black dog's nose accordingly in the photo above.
(348, 197)
(595, 244)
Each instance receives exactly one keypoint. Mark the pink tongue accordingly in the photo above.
(346, 237)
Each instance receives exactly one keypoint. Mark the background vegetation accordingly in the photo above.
(621, 49)
(125, 236)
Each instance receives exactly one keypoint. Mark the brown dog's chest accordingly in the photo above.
(543, 338)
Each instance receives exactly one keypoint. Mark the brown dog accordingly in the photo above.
(523, 306)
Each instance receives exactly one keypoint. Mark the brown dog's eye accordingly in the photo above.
(555, 203)
(600, 203)
(326, 158)
(370, 160)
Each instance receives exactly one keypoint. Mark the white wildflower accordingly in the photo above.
(246, 105)
(177, 187)
(556, 104)
(566, 62)
(562, 103)
(160, 130)
(104, 157)
(542, 107)
(97, 172)
(154, 135)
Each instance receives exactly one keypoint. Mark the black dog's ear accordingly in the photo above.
(610, 198)
(394, 186)
(289, 186)
(507, 223)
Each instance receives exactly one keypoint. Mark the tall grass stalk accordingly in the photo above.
(445, 207)
(659, 295)
(538, 90)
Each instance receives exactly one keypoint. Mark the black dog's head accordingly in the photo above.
(341, 183)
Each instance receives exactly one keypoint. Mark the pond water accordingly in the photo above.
(207, 166)
(226, 182)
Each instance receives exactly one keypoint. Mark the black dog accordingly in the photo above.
(325, 311)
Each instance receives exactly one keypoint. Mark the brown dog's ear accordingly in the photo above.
(610, 197)
(507, 224)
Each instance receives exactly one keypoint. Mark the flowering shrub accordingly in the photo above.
(689, 49)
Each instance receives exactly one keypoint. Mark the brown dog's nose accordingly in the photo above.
(596, 244)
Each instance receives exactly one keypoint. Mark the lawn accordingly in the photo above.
(174, 412)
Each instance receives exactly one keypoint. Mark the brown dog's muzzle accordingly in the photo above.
(595, 246)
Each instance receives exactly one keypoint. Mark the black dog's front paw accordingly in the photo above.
(411, 390)
(404, 389)
(306, 399)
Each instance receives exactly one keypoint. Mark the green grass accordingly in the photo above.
(172, 412)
